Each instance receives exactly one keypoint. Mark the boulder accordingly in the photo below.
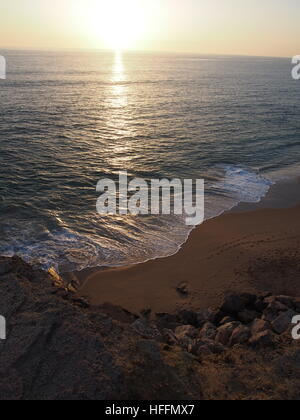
(240, 335)
(227, 320)
(199, 349)
(262, 339)
(169, 337)
(259, 325)
(270, 314)
(186, 317)
(235, 303)
(260, 305)
(183, 289)
(205, 347)
(209, 315)
(277, 306)
(146, 313)
(146, 329)
(283, 322)
(224, 333)
(208, 331)
(247, 316)
(186, 334)
(286, 300)
(168, 321)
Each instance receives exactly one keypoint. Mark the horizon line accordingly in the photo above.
(128, 51)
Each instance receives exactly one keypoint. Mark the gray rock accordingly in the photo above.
(183, 289)
(187, 318)
(227, 320)
(146, 329)
(240, 335)
(199, 349)
(283, 322)
(277, 306)
(169, 337)
(146, 313)
(235, 303)
(259, 325)
(209, 315)
(262, 339)
(224, 333)
(286, 300)
(247, 316)
(205, 348)
(168, 321)
(260, 305)
(270, 313)
(185, 335)
(208, 331)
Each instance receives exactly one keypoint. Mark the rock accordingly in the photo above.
(218, 315)
(205, 348)
(260, 305)
(169, 337)
(224, 333)
(58, 350)
(277, 306)
(283, 322)
(208, 331)
(210, 315)
(146, 312)
(187, 318)
(240, 335)
(262, 339)
(199, 349)
(270, 313)
(168, 321)
(286, 300)
(247, 316)
(117, 313)
(259, 325)
(80, 301)
(235, 303)
(183, 289)
(146, 329)
(186, 331)
(227, 320)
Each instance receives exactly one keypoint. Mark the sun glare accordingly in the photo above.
(118, 23)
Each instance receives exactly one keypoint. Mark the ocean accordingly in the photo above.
(69, 119)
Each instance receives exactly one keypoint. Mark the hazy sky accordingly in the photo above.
(254, 27)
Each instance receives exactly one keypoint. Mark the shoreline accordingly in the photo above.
(218, 257)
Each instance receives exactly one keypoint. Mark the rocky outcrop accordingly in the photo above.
(58, 347)
(242, 319)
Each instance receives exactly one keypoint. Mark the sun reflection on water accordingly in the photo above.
(119, 96)
(119, 122)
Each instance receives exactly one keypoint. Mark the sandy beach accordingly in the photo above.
(249, 249)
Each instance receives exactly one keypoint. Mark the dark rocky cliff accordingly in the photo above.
(58, 347)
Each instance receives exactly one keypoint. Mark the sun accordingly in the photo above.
(119, 24)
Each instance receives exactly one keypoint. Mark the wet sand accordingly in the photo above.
(247, 249)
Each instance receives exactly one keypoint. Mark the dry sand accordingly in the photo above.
(257, 250)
